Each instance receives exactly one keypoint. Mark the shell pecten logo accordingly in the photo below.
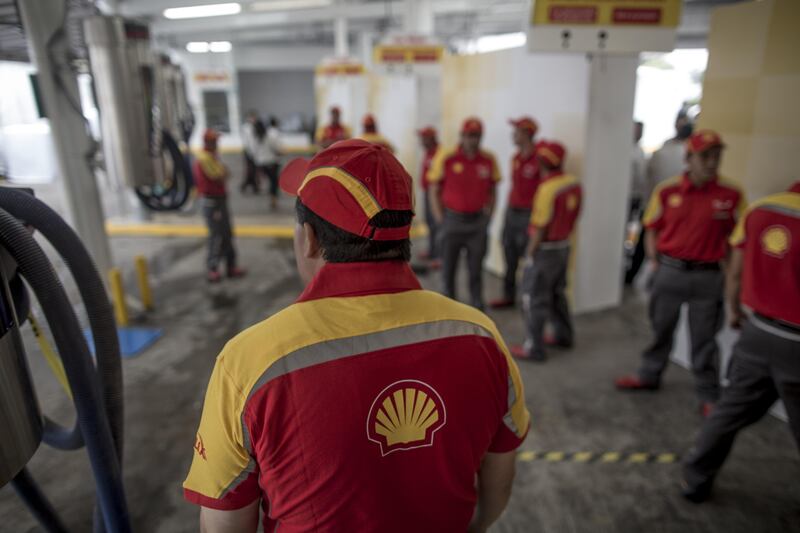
(405, 415)
(776, 240)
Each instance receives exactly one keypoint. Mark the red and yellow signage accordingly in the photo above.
(340, 69)
(663, 13)
(418, 53)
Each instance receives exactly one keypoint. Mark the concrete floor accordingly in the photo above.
(571, 399)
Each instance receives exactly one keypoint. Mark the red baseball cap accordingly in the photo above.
(525, 123)
(349, 183)
(427, 131)
(210, 134)
(472, 125)
(703, 140)
(551, 151)
(369, 120)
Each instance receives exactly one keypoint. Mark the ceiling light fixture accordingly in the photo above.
(220, 46)
(289, 5)
(210, 10)
(197, 47)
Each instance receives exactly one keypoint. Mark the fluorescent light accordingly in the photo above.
(197, 47)
(493, 43)
(210, 10)
(288, 5)
(220, 46)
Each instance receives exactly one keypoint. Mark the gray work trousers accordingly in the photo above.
(464, 232)
(764, 367)
(220, 233)
(515, 240)
(543, 298)
(702, 290)
(433, 228)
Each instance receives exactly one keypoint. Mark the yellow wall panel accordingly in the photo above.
(738, 39)
(729, 104)
(782, 54)
(774, 164)
(777, 111)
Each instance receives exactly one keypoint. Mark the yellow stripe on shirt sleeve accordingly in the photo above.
(436, 170)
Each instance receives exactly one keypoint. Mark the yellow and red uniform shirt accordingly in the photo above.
(525, 178)
(556, 207)
(694, 223)
(333, 133)
(427, 160)
(377, 138)
(368, 405)
(209, 174)
(769, 236)
(467, 184)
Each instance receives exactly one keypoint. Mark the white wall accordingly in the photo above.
(263, 58)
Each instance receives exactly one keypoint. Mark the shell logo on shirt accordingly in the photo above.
(484, 172)
(572, 202)
(674, 200)
(776, 241)
(528, 171)
(404, 416)
(458, 167)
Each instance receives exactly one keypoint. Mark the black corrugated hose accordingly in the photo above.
(90, 408)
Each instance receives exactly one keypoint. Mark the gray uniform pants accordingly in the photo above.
(764, 367)
(464, 232)
(220, 233)
(543, 298)
(433, 228)
(515, 240)
(702, 290)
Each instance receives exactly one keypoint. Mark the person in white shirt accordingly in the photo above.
(250, 179)
(266, 151)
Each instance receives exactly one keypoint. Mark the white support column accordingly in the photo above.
(606, 182)
(367, 42)
(41, 19)
(419, 17)
(341, 42)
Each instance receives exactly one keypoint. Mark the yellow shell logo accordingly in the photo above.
(675, 200)
(708, 136)
(572, 202)
(405, 415)
(776, 240)
(458, 167)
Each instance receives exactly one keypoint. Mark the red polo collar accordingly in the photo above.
(687, 185)
(360, 279)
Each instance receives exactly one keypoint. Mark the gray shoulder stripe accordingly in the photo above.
(781, 209)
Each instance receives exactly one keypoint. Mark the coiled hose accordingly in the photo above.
(89, 406)
(66, 242)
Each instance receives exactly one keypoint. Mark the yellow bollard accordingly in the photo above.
(144, 282)
(118, 297)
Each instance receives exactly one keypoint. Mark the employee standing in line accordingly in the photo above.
(430, 146)
(764, 278)
(688, 221)
(334, 131)
(556, 207)
(462, 191)
(210, 176)
(371, 134)
(525, 179)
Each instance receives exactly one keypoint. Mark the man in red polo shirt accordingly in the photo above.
(430, 146)
(370, 405)
(556, 207)
(462, 191)
(764, 277)
(688, 220)
(335, 131)
(524, 181)
(210, 177)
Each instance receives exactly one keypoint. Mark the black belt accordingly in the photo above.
(780, 324)
(520, 209)
(683, 264)
(465, 217)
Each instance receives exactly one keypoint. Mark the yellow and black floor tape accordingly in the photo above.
(598, 457)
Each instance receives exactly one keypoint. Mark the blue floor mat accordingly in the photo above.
(132, 341)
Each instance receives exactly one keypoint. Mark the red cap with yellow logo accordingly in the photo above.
(349, 183)
(551, 151)
(703, 140)
(525, 123)
(472, 125)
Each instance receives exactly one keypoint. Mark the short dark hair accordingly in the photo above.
(340, 246)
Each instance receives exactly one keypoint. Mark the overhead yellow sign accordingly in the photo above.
(661, 13)
(419, 53)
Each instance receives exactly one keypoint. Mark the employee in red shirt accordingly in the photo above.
(763, 289)
(688, 220)
(210, 176)
(462, 191)
(556, 207)
(430, 147)
(524, 181)
(333, 132)
(371, 134)
(369, 404)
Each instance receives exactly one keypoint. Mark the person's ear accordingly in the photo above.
(311, 248)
